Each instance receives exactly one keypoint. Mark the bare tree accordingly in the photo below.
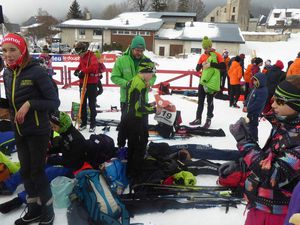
(140, 5)
(159, 5)
(198, 7)
(183, 6)
(114, 10)
(171, 6)
(42, 12)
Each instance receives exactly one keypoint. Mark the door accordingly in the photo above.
(176, 49)
(161, 51)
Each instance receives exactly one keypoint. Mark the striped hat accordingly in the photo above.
(291, 94)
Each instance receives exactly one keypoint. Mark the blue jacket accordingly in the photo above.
(257, 99)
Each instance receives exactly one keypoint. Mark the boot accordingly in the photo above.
(48, 215)
(207, 123)
(195, 122)
(10, 205)
(33, 214)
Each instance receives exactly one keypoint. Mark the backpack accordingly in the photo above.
(164, 88)
(7, 142)
(4, 172)
(166, 130)
(100, 149)
(102, 205)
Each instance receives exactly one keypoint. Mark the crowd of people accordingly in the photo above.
(32, 103)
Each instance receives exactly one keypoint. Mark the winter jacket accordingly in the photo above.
(235, 73)
(294, 206)
(257, 99)
(248, 74)
(274, 168)
(137, 104)
(32, 84)
(88, 64)
(73, 147)
(294, 68)
(210, 78)
(124, 70)
(274, 76)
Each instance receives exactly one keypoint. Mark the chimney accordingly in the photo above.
(88, 15)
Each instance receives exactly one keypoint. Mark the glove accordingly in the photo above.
(76, 73)
(240, 130)
(205, 65)
(228, 168)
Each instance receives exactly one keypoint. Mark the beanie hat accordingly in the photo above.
(138, 42)
(81, 47)
(61, 119)
(242, 56)
(289, 92)
(3, 103)
(279, 64)
(20, 43)
(146, 66)
(237, 58)
(258, 61)
(206, 43)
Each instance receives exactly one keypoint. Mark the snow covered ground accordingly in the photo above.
(223, 116)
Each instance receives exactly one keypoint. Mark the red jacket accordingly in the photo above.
(88, 64)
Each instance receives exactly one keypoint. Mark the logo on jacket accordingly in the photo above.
(26, 83)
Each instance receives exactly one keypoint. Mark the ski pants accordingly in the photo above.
(210, 103)
(235, 93)
(258, 217)
(91, 96)
(32, 156)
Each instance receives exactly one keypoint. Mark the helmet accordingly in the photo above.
(146, 66)
(61, 119)
(81, 47)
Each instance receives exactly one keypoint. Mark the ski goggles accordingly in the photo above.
(283, 101)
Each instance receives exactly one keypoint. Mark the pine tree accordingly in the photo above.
(158, 5)
(183, 6)
(74, 11)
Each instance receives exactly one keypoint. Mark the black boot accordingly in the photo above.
(10, 205)
(33, 214)
(47, 217)
(207, 123)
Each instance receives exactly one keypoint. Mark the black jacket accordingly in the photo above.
(274, 77)
(31, 84)
(73, 147)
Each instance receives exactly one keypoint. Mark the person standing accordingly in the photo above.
(235, 74)
(88, 66)
(273, 168)
(210, 63)
(224, 73)
(126, 67)
(31, 97)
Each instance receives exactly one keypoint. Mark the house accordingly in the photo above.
(171, 42)
(123, 28)
(235, 11)
(282, 20)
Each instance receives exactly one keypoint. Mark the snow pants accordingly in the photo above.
(258, 217)
(91, 97)
(210, 103)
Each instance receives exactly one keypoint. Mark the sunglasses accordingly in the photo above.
(282, 100)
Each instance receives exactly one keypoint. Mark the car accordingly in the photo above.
(60, 48)
(94, 46)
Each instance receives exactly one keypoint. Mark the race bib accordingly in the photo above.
(166, 117)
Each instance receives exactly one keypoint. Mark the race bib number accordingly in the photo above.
(166, 117)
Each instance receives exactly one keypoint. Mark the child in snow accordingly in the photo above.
(256, 102)
(135, 122)
(273, 168)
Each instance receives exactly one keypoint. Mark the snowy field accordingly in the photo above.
(223, 117)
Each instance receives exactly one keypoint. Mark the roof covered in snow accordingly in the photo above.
(129, 20)
(285, 15)
(217, 32)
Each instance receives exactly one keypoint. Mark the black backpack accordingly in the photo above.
(101, 148)
(167, 131)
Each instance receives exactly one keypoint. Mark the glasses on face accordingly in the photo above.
(282, 100)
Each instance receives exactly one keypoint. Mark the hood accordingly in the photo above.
(261, 78)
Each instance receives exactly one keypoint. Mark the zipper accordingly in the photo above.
(15, 74)
(36, 118)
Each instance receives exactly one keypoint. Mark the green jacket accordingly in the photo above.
(210, 78)
(124, 70)
(137, 96)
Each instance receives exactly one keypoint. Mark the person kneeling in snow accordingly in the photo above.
(274, 168)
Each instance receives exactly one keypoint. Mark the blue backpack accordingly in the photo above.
(102, 204)
(7, 142)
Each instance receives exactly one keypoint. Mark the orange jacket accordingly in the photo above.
(248, 74)
(235, 73)
(294, 68)
(203, 58)
(226, 61)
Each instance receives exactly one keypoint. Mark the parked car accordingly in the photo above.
(95, 46)
(60, 48)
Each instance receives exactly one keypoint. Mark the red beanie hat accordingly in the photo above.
(19, 42)
(279, 64)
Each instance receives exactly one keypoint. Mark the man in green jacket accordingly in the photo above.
(126, 67)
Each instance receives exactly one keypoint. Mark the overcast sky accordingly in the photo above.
(18, 11)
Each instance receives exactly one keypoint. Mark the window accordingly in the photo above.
(224, 10)
(288, 14)
(212, 19)
(133, 32)
(196, 50)
(233, 9)
(126, 32)
(217, 12)
(280, 23)
(97, 32)
(232, 18)
(142, 33)
(276, 15)
(81, 31)
(114, 32)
